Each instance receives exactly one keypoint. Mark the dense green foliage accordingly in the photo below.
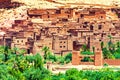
(111, 50)
(87, 59)
(48, 56)
(86, 51)
(74, 74)
(65, 59)
(19, 67)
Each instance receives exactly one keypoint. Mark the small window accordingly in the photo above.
(58, 11)
(64, 42)
(49, 43)
(48, 16)
(84, 26)
(60, 46)
(68, 16)
(22, 41)
(101, 17)
(91, 27)
(76, 13)
(99, 26)
(81, 15)
(60, 41)
(17, 41)
(63, 46)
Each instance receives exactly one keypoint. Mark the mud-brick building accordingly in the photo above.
(51, 13)
(62, 44)
(23, 43)
(4, 3)
(39, 44)
(96, 13)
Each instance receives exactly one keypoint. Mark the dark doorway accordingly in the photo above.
(28, 51)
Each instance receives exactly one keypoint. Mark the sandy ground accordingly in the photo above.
(63, 68)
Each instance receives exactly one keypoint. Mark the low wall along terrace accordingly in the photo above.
(87, 63)
(98, 59)
(76, 59)
(111, 61)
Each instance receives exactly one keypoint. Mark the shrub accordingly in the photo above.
(105, 65)
(87, 59)
(117, 55)
(61, 60)
(72, 74)
(68, 56)
(87, 53)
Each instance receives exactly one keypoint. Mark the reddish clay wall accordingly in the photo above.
(75, 58)
(98, 60)
(112, 61)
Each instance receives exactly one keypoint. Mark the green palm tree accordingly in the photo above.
(6, 48)
(118, 44)
(46, 51)
(102, 45)
(84, 47)
(93, 49)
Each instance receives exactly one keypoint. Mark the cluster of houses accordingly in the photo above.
(62, 29)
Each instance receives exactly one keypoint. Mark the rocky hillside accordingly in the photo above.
(105, 2)
(7, 16)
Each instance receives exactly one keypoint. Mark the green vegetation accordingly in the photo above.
(86, 51)
(49, 56)
(87, 59)
(65, 59)
(74, 74)
(111, 50)
(19, 67)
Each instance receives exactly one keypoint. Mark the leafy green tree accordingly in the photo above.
(72, 74)
(107, 54)
(68, 57)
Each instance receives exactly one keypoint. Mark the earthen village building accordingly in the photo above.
(62, 29)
